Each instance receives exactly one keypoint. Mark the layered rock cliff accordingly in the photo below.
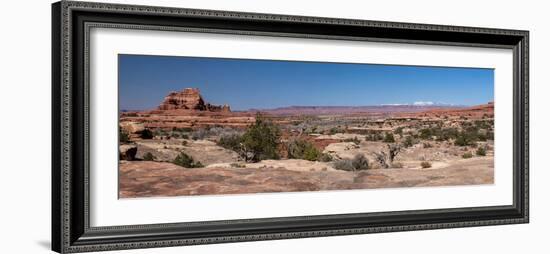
(191, 99)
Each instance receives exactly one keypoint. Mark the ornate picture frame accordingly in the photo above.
(71, 202)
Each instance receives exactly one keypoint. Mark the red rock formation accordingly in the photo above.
(189, 98)
(186, 109)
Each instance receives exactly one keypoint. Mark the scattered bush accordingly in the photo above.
(359, 162)
(426, 133)
(335, 130)
(187, 161)
(374, 137)
(409, 141)
(231, 142)
(398, 130)
(199, 134)
(149, 157)
(481, 151)
(463, 140)
(425, 164)
(467, 155)
(123, 136)
(184, 129)
(343, 165)
(325, 157)
(146, 134)
(204, 133)
(260, 140)
(184, 143)
(301, 149)
(389, 138)
(440, 134)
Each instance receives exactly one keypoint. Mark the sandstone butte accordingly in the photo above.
(187, 109)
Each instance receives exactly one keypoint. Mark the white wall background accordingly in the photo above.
(25, 125)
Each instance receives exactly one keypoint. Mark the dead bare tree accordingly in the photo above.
(386, 159)
(393, 150)
(381, 158)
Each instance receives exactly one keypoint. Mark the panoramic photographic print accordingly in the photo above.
(218, 126)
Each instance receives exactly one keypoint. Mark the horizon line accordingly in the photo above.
(434, 105)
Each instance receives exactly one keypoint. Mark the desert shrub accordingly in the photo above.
(425, 164)
(481, 151)
(427, 133)
(123, 136)
(482, 124)
(146, 134)
(260, 140)
(184, 142)
(467, 155)
(199, 134)
(149, 157)
(325, 157)
(343, 165)
(301, 149)
(186, 161)
(427, 145)
(389, 138)
(360, 162)
(374, 137)
(183, 129)
(440, 134)
(461, 141)
(311, 154)
(231, 142)
(446, 134)
(408, 141)
(465, 138)
(354, 140)
(335, 130)
(215, 131)
(158, 132)
(398, 130)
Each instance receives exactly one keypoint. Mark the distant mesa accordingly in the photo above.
(186, 109)
(190, 99)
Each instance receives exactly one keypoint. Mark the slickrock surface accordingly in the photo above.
(150, 179)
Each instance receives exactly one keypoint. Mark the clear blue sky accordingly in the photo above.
(262, 84)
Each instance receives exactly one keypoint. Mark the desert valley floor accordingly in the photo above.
(189, 147)
(148, 179)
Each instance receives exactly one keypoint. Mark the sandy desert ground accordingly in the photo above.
(189, 147)
(149, 179)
